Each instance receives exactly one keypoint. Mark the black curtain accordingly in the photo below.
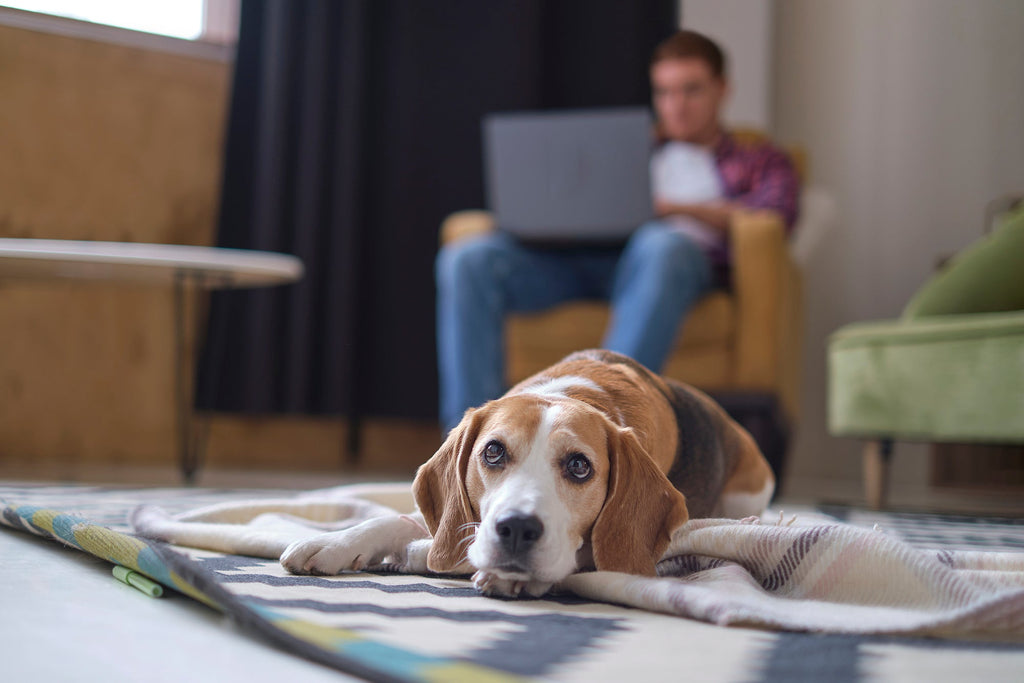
(354, 128)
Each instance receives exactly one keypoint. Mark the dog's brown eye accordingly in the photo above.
(578, 467)
(494, 453)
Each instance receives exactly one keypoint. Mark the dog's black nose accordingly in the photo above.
(518, 533)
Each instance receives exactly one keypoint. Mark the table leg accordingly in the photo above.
(190, 439)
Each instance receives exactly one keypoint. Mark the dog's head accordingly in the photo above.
(533, 488)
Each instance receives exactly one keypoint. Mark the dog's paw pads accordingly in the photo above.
(492, 585)
(323, 558)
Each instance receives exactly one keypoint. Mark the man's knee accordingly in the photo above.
(660, 247)
(467, 262)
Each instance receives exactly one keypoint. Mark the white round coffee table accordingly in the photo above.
(178, 266)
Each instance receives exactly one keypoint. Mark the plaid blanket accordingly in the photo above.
(857, 583)
(822, 577)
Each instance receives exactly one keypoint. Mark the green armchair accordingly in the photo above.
(951, 369)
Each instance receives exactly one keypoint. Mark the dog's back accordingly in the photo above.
(709, 446)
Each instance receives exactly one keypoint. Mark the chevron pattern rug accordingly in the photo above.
(393, 627)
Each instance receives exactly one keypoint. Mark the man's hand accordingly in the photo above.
(717, 214)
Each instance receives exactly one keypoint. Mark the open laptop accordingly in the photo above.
(569, 176)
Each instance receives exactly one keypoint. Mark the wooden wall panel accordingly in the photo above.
(99, 142)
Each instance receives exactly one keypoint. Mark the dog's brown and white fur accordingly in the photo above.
(592, 463)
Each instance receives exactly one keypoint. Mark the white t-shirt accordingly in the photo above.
(684, 173)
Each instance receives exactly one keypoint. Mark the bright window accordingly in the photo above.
(176, 18)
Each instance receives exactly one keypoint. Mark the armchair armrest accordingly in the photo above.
(766, 285)
(463, 224)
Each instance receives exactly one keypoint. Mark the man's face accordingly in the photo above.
(687, 99)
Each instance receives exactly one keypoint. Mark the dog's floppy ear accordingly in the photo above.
(440, 492)
(640, 512)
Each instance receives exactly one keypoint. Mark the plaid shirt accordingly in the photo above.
(759, 176)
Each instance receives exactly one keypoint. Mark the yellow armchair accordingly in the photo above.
(745, 339)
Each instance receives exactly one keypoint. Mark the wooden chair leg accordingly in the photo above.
(877, 455)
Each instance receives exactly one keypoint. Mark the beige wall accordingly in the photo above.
(912, 114)
(99, 142)
(744, 28)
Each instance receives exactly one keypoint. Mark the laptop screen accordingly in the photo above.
(580, 175)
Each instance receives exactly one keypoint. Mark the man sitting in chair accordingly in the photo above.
(700, 176)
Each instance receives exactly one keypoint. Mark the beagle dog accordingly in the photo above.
(590, 464)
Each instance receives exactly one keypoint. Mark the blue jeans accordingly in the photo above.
(652, 283)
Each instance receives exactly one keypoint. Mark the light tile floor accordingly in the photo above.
(64, 617)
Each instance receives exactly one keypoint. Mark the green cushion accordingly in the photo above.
(987, 276)
(954, 378)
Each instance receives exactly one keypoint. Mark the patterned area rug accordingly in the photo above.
(392, 627)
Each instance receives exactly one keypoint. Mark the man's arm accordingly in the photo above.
(717, 214)
(774, 186)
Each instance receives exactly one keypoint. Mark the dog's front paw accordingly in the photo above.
(492, 585)
(380, 543)
(324, 555)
